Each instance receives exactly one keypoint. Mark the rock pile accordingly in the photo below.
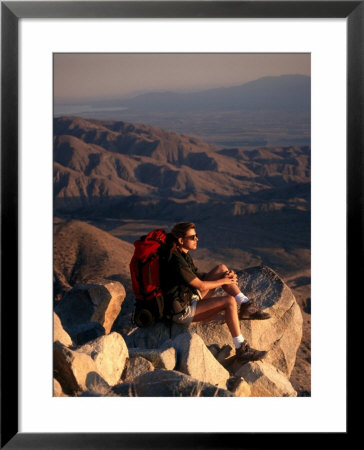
(90, 359)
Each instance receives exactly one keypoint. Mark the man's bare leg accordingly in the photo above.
(209, 307)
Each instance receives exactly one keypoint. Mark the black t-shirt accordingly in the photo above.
(177, 270)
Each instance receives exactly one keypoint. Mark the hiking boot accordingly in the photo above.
(245, 353)
(249, 311)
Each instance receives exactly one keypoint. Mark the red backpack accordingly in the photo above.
(144, 271)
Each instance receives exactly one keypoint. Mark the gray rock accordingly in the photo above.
(169, 383)
(59, 334)
(161, 358)
(137, 365)
(239, 386)
(109, 354)
(75, 308)
(57, 389)
(154, 336)
(280, 335)
(108, 299)
(97, 387)
(90, 303)
(95, 382)
(194, 359)
(98, 394)
(87, 332)
(126, 389)
(71, 368)
(265, 380)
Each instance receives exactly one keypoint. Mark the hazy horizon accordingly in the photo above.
(79, 78)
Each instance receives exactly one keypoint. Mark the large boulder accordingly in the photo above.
(239, 387)
(97, 387)
(169, 383)
(280, 335)
(99, 303)
(109, 299)
(136, 366)
(57, 389)
(71, 368)
(87, 332)
(194, 359)
(154, 336)
(161, 358)
(59, 333)
(109, 354)
(265, 380)
(95, 382)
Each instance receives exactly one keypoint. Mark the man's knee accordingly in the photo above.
(221, 268)
(216, 272)
(231, 302)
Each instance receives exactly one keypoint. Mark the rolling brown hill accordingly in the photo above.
(103, 167)
(84, 254)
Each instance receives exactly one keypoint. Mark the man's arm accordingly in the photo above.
(201, 285)
(201, 275)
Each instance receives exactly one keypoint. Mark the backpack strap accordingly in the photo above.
(140, 277)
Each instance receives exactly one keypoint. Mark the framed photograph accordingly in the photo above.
(66, 69)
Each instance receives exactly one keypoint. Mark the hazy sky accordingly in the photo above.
(90, 76)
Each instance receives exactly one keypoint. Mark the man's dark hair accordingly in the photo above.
(180, 229)
(171, 241)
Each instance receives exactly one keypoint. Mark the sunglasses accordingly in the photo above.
(192, 237)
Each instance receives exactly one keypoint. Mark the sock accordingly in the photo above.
(238, 340)
(241, 298)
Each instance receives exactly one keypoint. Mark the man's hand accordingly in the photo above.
(231, 277)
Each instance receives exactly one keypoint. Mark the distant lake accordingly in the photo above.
(69, 110)
(245, 128)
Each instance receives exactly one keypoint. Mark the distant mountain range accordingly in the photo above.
(285, 92)
(271, 111)
(278, 93)
(118, 169)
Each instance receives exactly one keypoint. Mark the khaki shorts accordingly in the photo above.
(186, 317)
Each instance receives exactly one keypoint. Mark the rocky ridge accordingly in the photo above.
(105, 167)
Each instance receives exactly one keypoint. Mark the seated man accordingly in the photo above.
(189, 294)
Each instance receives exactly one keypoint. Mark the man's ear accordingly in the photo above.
(180, 241)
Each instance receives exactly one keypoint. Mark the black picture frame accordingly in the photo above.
(11, 12)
